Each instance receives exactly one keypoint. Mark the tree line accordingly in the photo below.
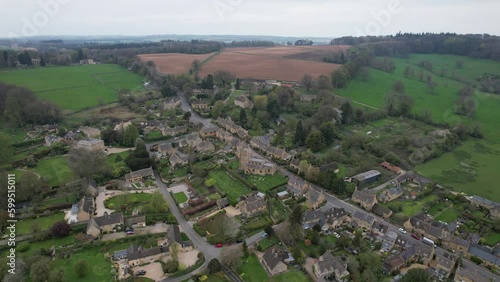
(482, 46)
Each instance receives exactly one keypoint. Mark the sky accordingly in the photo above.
(299, 18)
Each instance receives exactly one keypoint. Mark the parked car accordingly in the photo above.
(218, 245)
(263, 235)
(141, 272)
(401, 230)
(415, 236)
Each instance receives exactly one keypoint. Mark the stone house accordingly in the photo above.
(272, 260)
(366, 199)
(91, 144)
(391, 194)
(314, 199)
(297, 186)
(105, 223)
(251, 205)
(243, 102)
(201, 105)
(140, 175)
(330, 266)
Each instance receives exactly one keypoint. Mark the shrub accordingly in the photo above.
(81, 268)
(23, 247)
(171, 266)
(60, 229)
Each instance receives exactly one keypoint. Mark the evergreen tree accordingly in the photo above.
(346, 112)
(315, 141)
(300, 135)
(243, 117)
(237, 86)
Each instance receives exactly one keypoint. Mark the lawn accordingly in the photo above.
(267, 243)
(99, 266)
(449, 215)
(54, 170)
(229, 185)
(279, 210)
(492, 239)
(112, 159)
(291, 276)
(44, 223)
(266, 182)
(412, 208)
(128, 202)
(180, 197)
(251, 270)
(75, 87)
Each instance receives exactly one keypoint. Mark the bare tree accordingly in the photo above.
(307, 81)
(87, 162)
(231, 256)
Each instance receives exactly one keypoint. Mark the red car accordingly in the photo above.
(218, 245)
(415, 236)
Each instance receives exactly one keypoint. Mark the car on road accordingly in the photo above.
(239, 241)
(263, 235)
(218, 245)
(415, 236)
(401, 230)
(141, 272)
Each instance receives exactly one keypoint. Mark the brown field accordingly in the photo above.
(279, 63)
(173, 63)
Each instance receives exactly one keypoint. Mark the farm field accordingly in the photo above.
(278, 63)
(76, 87)
(44, 223)
(229, 185)
(174, 63)
(54, 170)
(470, 168)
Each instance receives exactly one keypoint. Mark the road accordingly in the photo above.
(208, 250)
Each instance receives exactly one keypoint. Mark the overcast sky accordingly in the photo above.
(308, 18)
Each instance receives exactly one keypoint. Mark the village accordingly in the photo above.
(212, 189)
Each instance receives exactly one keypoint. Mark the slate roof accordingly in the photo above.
(366, 175)
(364, 197)
(140, 173)
(328, 263)
(135, 220)
(108, 219)
(381, 210)
(272, 258)
(484, 253)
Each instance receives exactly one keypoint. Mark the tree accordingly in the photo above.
(231, 256)
(60, 229)
(214, 266)
(171, 266)
(130, 134)
(315, 141)
(81, 268)
(217, 109)
(323, 82)
(328, 131)
(208, 82)
(260, 102)
(465, 104)
(39, 270)
(237, 85)
(245, 249)
(296, 215)
(398, 87)
(300, 135)
(85, 163)
(56, 275)
(369, 276)
(346, 109)
(371, 261)
(307, 81)
(223, 78)
(416, 275)
(340, 78)
(6, 151)
(405, 104)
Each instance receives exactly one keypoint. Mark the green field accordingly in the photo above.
(252, 271)
(99, 266)
(470, 168)
(492, 239)
(180, 197)
(449, 215)
(229, 185)
(54, 170)
(266, 182)
(412, 208)
(75, 87)
(44, 223)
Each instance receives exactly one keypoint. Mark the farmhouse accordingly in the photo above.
(201, 105)
(314, 199)
(140, 175)
(105, 223)
(366, 199)
(243, 102)
(330, 266)
(365, 178)
(91, 144)
(272, 261)
(297, 186)
(251, 205)
(250, 163)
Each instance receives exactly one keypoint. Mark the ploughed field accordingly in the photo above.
(279, 63)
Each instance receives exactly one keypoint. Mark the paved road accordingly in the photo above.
(254, 239)
(195, 118)
(208, 250)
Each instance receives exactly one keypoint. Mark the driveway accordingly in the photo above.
(153, 271)
(154, 229)
(99, 201)
(187, 259)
